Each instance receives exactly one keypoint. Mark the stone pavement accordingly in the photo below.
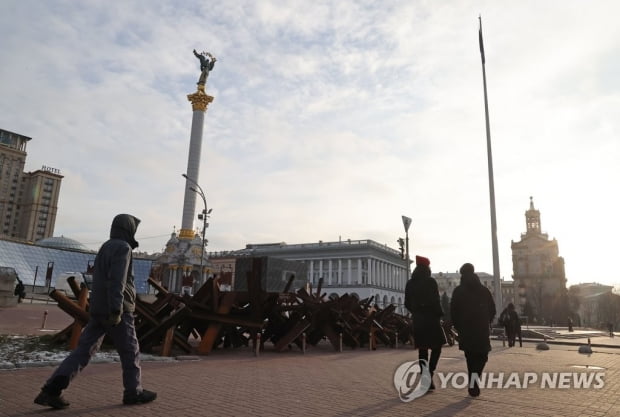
(27, 319)
(325, 383)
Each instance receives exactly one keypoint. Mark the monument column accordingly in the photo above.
(200, 100)
(185, 251)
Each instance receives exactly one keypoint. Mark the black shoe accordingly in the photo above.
(475, 391)
(54, 401)
(142, 397)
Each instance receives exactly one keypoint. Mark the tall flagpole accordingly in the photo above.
(496, 276)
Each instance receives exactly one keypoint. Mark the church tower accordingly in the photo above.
(532, 220)
(538, 272)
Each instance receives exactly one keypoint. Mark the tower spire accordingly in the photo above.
(532, 219)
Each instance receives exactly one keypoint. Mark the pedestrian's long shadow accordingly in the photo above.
(371, 410)
(451, 409)
(75, 411)
(385, 406)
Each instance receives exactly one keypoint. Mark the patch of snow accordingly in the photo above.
(29, 351)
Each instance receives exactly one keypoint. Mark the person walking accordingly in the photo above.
(20, 290)
(472, 310)
(422, 300)
(511, 322)
(112, 304)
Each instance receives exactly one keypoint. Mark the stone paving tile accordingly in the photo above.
(321, 383)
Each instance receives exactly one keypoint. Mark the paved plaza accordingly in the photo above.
(322, 382)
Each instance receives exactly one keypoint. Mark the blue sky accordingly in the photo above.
(330, 120)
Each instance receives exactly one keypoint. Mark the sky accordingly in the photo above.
(330, 120)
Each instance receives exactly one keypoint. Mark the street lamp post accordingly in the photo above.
(203, 216)
(407, 223)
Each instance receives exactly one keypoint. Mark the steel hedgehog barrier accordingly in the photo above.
(213, 319)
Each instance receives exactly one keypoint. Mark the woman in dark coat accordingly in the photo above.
(422, 300)
(472, 310)
(512, 325)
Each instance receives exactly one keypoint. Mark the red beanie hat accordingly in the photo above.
(421, 260)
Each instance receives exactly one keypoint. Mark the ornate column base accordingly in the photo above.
(186, 234)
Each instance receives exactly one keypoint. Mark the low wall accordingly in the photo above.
(7, 287)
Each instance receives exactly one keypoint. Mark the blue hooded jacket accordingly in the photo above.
(113, 288)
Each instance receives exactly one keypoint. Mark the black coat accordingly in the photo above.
(510, 320)
(472, 310)
(422, 300)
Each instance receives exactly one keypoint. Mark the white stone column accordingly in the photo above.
(199, 101)
(384, 266)
(170, 277)
(349, 271)
(359, 270)
(398, 275)
(175, 277)
(375, 275)
(329, 272)
(320, 271)
(311, 272)
(339, 271)
(371, 271)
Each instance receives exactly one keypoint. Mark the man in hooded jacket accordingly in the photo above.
(112, 305)
(472, 310)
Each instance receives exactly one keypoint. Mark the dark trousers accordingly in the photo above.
(475, 363)
(432, 362)
(511, 335)
(125, 341)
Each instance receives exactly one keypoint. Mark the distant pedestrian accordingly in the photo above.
(422, 300)
(511, 322)
(570, 324)
(472, 310)
(112, 304)
(610, 327)
(20, 290)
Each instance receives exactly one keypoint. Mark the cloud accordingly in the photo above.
(330, 120)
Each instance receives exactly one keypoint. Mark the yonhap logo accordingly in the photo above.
(412, 380)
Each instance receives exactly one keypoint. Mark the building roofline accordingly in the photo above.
(253, 249)
(43, 171)
(18, 134)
